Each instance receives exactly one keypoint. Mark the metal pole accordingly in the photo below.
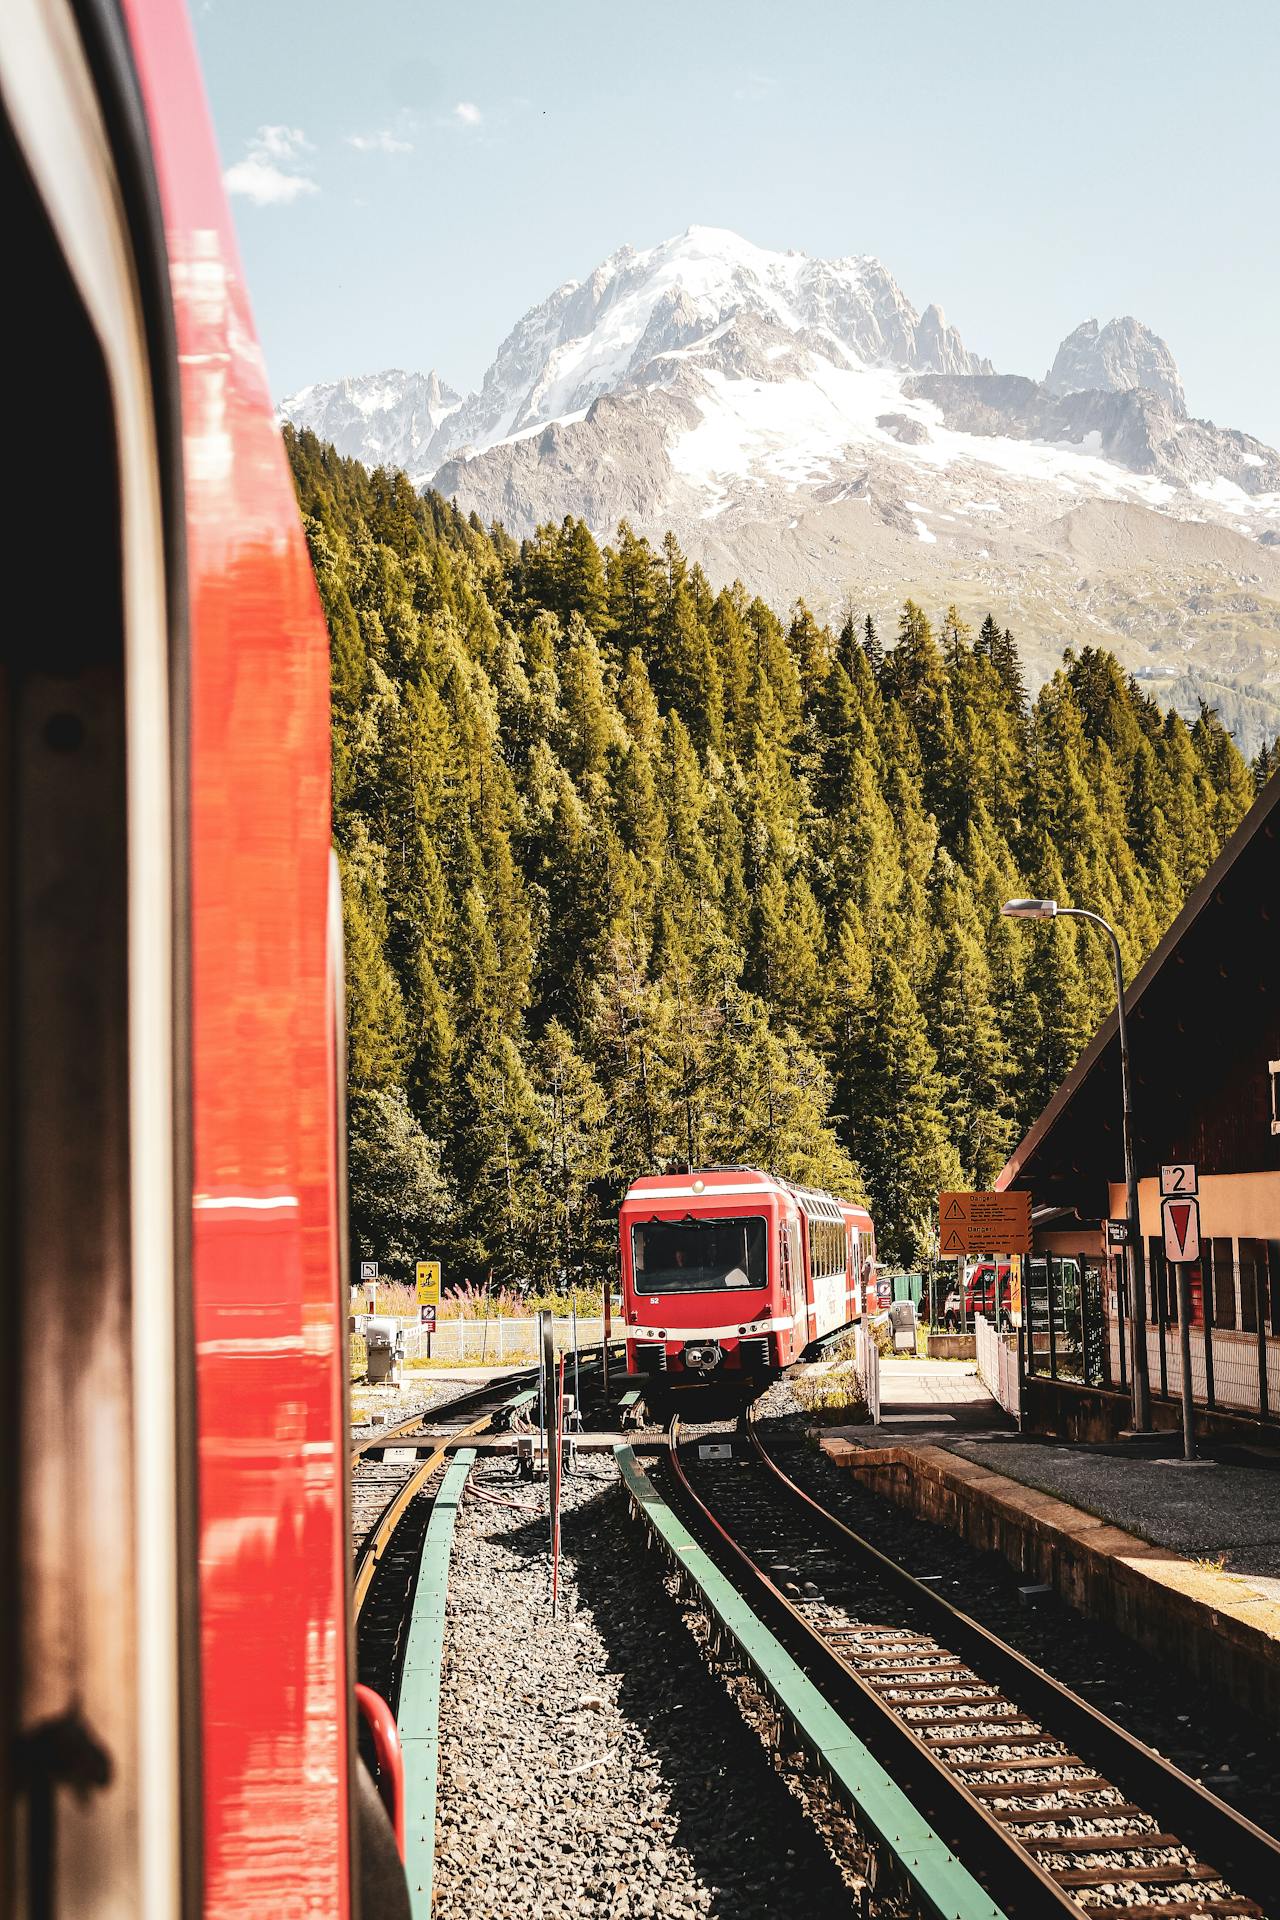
(1141, 1389)
(1120, 1316)
(1184, 1349)
(1137, 1289)
(554, 1458)
(1260, 1325)
(577, 1385)
(1206, 1313)
(606, 1329)
(546, 1375)
(1048, 1302)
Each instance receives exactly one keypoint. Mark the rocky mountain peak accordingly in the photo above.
(1114, 359)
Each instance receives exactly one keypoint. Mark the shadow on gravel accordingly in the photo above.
(754, 1850)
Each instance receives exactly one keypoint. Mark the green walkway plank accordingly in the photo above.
(419, 1717)
(944, 1885)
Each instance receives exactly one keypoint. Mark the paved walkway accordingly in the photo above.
(918, 1396)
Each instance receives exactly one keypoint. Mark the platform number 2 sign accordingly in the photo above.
(1178, 1178)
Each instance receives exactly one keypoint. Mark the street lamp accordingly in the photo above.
(1050, 910)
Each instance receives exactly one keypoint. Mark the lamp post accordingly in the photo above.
(1050, 910)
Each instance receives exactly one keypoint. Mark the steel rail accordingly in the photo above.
(903, 1834)
(379, 1539)
(426, 1418)
(424, 1421)
(1240, 1850)
(1028, 1888)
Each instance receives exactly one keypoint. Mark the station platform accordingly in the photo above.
(1185, 1560)
(936, 1395)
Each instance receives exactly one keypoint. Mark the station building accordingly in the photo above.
(1204, 1041)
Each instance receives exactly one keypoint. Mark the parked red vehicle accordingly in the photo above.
(980, 1290)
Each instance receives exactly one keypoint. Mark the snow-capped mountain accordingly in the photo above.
(797, 422)
(388, 419)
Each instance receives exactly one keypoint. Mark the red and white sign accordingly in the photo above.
(1181, 1222)
(1179, 1178)
(427, 1317)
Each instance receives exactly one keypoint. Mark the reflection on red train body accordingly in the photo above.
(272, 1545)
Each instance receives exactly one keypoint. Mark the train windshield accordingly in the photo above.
(699, 1256)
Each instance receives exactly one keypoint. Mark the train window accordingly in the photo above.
(698, 1256)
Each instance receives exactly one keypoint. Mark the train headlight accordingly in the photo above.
(702, 1356)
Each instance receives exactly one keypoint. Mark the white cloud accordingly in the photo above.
(384, 141)
(468, 113)
(274, 171)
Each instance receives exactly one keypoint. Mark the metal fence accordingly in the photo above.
(1075, 1324)
(997, 1355)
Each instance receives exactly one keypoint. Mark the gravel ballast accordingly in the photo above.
(595, 1764)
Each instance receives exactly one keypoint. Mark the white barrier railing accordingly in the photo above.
(498, 1342)
(997, 1356)
(867, 1361)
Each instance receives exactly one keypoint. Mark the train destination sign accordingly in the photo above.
(984, 1223)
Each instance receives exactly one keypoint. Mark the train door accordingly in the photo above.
(802, 1292)
(786, 1294)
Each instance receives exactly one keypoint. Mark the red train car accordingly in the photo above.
(176, 1668)
(730, 1271)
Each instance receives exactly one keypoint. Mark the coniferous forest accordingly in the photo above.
(635, 873)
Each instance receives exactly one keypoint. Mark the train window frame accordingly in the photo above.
(643, 1285)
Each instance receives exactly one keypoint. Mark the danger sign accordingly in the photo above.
(1181, 1222)
(983, 1223)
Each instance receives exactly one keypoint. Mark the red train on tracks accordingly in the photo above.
(177, 1700)
(728, 1271)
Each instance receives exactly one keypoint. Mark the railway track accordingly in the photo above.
(391, 1504)
(1054, 1806)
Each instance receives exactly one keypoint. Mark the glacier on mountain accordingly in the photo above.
(798, 422)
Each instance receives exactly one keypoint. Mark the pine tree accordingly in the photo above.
(632, 873)
(890, 1098)
(872, 648)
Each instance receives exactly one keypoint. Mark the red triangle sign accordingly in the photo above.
(1180, 1214)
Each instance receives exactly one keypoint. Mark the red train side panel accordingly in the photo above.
(272, 1545)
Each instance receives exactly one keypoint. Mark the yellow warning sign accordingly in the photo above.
(983, 1223)
(428, 1283)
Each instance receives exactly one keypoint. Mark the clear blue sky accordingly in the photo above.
(1025, 166)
